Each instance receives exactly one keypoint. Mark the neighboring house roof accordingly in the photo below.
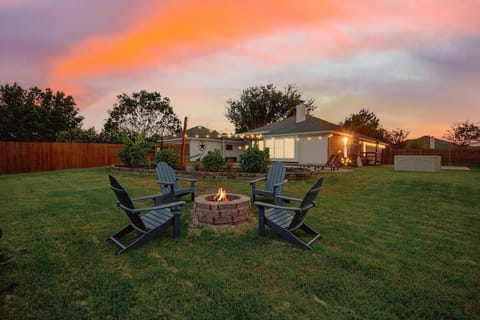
(289, 126)
(426, 140)
(201, 133)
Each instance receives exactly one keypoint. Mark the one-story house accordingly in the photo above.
(308, 140)
(200, 140)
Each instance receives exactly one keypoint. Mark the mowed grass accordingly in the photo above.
(397, 245)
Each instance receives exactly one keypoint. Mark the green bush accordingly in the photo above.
(254, 160)
(170, 156)
(133, 153)
(213, 161)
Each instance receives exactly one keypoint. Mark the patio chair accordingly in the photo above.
(150, 225)
(332, 162)
(285, 220)
(274, 182)
(168, 182)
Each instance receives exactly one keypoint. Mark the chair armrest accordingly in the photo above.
(163, 206)
(274, 206)
(289, 198)
(165, 182)
(147, 197)
(276, 185)
(187, 179)
(257, 180)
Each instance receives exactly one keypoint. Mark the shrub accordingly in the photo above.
(254, 160)
(133, 153)
(170, 156)
(213, 161)
(197, 164)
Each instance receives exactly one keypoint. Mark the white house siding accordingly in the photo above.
(304, 149)
(312, 149)
(211, 145)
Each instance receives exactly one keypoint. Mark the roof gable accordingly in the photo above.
(289, 125)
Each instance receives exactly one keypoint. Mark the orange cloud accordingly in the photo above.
(178, 30)
(180, 26)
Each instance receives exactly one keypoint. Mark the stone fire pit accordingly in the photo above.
(234, 211)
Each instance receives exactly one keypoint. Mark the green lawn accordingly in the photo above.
(397, 246)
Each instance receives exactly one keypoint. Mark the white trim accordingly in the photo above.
(307, 133)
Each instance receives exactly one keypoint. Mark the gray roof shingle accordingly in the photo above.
(289, 125)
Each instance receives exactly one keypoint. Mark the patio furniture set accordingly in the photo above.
(279, 214)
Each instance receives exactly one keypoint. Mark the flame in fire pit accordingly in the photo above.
(221, 195)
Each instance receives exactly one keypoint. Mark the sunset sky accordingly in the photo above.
(415, 64)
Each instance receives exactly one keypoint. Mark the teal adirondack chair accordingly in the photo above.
(148, 222)
(168, 182)
(286, 220)
(274, 182)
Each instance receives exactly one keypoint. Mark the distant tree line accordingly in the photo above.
(35, 114)
(43, 115)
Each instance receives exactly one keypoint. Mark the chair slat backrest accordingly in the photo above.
(276, 174)
(308, 199)
(166, 173)
(125, 200)
(331, 160)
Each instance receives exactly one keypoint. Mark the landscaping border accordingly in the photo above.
(296, 174)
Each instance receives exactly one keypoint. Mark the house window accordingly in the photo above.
(281, 148)
(228, 147)
(260, 144)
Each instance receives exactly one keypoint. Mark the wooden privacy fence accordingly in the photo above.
(17, 157)
(455, 157)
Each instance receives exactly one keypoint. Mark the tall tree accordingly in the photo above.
(464, 133)
(262, 105)
(143, 111)
(35, 115)
(367, 123)
(397, 137)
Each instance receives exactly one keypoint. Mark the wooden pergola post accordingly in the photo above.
(184, 140)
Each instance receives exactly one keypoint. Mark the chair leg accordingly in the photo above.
(309, 230)
(261, 221)
(289, 236)
(136, 243)
(176, 225)
(125, 230)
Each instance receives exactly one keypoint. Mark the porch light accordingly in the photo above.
(345, 149)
